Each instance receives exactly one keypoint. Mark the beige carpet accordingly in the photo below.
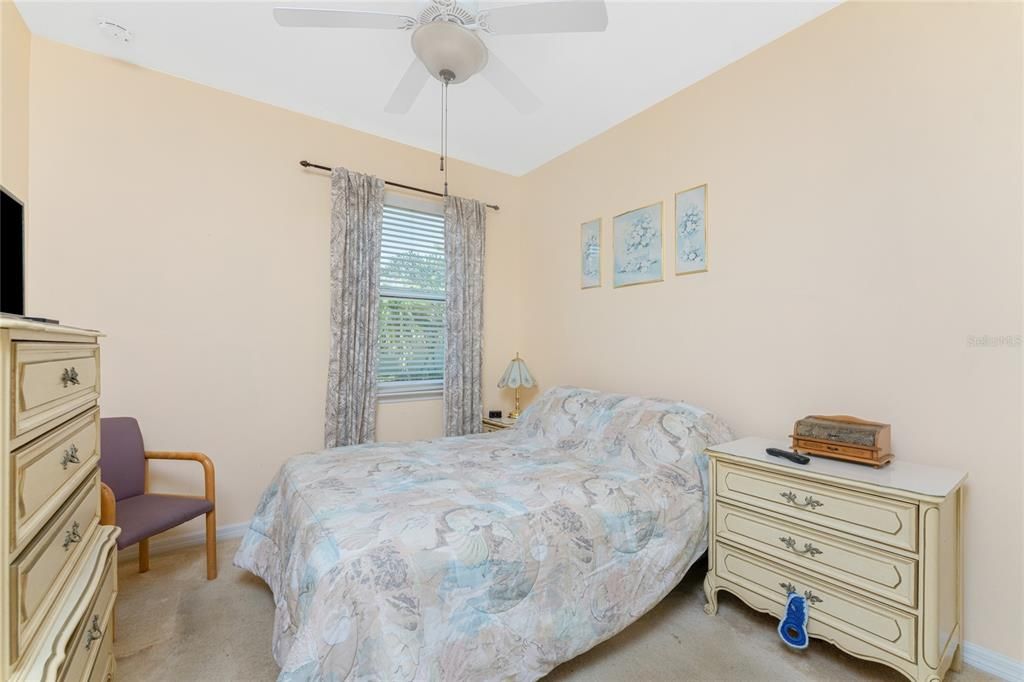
(175, 625)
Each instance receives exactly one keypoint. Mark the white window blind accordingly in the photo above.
(412, 275)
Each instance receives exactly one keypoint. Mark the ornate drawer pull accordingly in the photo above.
(70, 376)
(809, 549)
(70, 457)
(808, 595)
(808, 502)
(72, 536)
(94, 632)
(811, 597)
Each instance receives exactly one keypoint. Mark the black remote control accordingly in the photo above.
(795, 457)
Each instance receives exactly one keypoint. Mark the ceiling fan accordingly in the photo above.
(446, 40)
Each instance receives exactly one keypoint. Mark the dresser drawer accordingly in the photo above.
(887, 629)
(877, 573)
(863, 516)
(103, 670)
(47, 471)
(37, 574)
(52, 380)
(90, 645)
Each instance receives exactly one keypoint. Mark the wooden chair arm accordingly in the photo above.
(208, 473)
(108, 506)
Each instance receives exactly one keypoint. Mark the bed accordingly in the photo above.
(492, 556)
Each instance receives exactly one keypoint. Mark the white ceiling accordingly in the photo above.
(587, 82)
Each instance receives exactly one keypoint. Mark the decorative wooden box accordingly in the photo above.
(844, 437)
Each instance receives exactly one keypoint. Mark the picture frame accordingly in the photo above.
(590, 254)
(637, 241)
(691, 230)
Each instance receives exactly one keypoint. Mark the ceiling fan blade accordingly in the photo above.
(510, 85)
(409, 88)
(560, 16)
(339, 18)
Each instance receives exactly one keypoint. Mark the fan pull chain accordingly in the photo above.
(444, 144)
(444, 127)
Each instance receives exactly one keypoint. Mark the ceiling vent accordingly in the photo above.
(115, 31)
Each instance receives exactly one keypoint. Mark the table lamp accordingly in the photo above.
(516, 375)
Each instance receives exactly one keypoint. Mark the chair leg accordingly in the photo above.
(143, 555)
(211, 545)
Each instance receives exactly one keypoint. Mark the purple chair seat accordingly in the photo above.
(141, 516)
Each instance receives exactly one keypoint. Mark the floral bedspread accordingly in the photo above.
(494, 556)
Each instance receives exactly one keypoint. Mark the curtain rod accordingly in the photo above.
(307, 164)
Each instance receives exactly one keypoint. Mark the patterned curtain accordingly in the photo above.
(357, 215)
(465, 224)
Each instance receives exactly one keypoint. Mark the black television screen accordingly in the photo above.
(12, 255)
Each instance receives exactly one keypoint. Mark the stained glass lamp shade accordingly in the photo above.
(516, 375)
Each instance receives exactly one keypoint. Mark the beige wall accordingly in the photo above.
(15, 42)
(865, 216)
(865, 220)
(176, 219)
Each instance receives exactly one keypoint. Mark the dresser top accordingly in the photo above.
(19, 323)
(920, 479)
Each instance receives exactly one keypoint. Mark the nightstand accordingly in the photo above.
(878, 553)
(497, 424)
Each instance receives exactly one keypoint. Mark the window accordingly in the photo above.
(412, 274)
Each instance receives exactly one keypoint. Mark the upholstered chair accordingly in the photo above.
(126, 502)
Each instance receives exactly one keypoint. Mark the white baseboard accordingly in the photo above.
(172, 543)
(986, 660)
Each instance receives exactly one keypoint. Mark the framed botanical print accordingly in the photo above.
(590, 254)
(637, 245)
(692, 230)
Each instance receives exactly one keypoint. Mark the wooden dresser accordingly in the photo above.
(878, 553)
(59, 565)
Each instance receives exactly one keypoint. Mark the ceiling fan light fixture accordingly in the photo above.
(446, 46)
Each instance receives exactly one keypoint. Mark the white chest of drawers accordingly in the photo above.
(878, 552)
(58, 573)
